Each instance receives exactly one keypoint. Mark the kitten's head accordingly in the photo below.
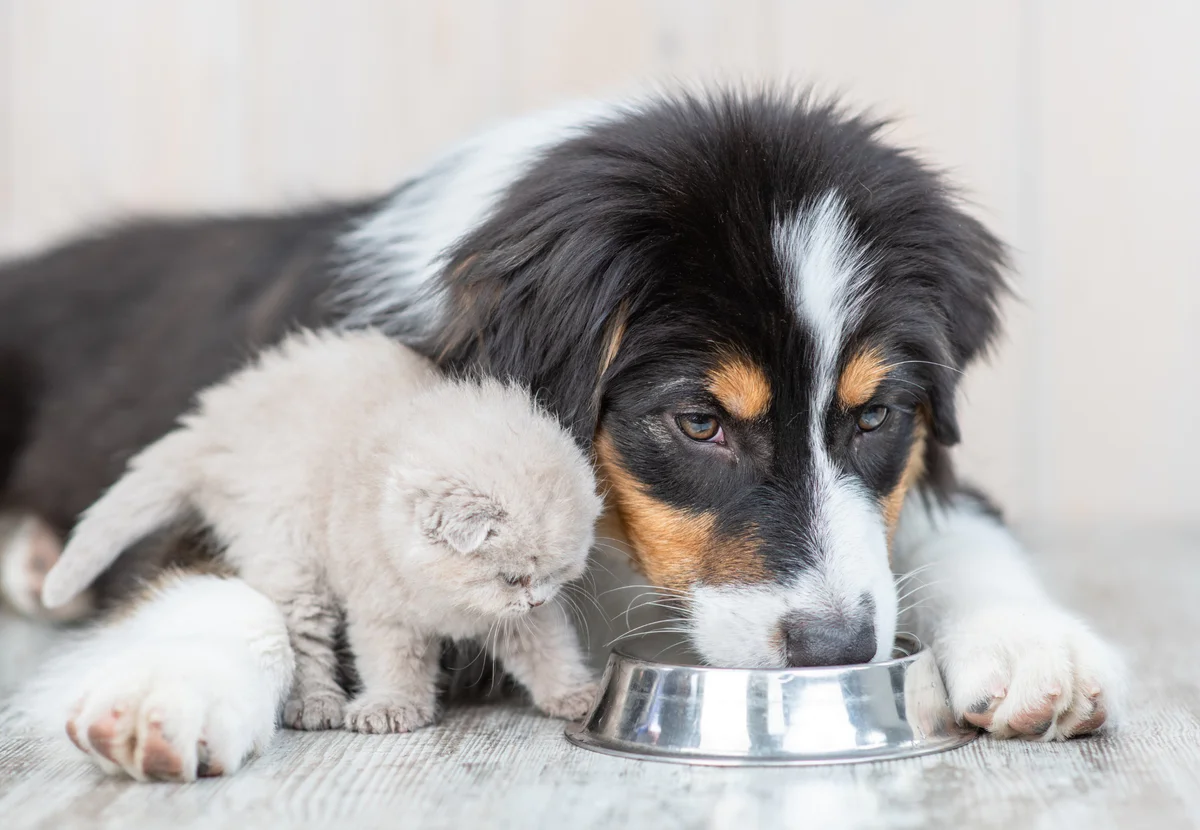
(500, 503)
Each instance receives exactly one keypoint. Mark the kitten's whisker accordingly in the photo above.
(587, 634)
(592, 561)
(580, 591)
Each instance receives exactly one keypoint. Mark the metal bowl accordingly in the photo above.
(685, 713)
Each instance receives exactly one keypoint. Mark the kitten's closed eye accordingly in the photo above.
(514, 581)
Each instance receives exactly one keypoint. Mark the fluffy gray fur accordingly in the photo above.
(343, 474)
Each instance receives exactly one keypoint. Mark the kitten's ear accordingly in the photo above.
(454, 513)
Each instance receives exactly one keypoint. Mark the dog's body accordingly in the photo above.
(752, 309)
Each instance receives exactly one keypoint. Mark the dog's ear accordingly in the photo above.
(943, 409)
(970, 262)
(553, 321)
(449, 511)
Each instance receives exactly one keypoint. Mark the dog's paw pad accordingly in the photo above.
(158, 758)
(1037, 674)
(166, 713)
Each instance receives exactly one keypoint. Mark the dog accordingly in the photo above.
(751, 308)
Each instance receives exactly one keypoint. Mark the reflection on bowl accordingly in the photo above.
(656, 703)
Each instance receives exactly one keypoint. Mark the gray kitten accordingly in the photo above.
(341, 472)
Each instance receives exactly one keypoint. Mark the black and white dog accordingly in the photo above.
(755, 313)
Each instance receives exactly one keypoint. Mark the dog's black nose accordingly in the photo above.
(813, 642)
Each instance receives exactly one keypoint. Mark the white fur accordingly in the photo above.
(994, 630)
(395, 255)
(341, 471)
(740, 625)
(826, 273)
(979, 604)
(209, 656)
(854, 559)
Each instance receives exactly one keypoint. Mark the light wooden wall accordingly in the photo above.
(1075, 124)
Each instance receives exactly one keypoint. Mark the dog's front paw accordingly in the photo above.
(571, 705)
(169, 714)
(379, 715)
(314, 712)
(1029, 672)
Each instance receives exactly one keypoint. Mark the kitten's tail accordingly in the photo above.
(152, 493)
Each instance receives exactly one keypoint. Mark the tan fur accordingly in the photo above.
(615, 334)
(861, 377)
(674, 548)
(893, 502)
(741, 387)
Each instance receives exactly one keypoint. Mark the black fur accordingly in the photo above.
(657, 222)
(663, 220)
(104, 341)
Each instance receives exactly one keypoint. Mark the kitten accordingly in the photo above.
(342, 474)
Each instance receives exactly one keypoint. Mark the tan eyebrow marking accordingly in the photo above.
(741, 387)
(862, 377)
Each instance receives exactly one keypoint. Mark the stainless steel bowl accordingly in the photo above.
(690, 714)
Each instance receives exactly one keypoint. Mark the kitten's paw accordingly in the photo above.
(1029, 672)
(29, 548)
(572, 705)
(378, 715)
(314, 712)
(168, 717)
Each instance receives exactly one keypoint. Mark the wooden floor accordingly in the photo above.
(502, 766)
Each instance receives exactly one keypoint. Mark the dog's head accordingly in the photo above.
(756, 313)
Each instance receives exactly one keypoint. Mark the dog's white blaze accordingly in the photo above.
(827, 272)
(853, 552)
(395, 255)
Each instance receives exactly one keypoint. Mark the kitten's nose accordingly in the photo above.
(828, 642)
(534, 603)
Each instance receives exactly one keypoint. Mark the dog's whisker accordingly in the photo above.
(918, 589)
(643, 629)
(904, 577)
(657, 588)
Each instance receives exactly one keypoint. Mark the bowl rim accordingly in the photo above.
(621, 651)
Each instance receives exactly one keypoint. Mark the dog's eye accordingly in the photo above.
(700, 427)
(872, 418)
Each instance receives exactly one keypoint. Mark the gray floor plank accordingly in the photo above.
(500, 765)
